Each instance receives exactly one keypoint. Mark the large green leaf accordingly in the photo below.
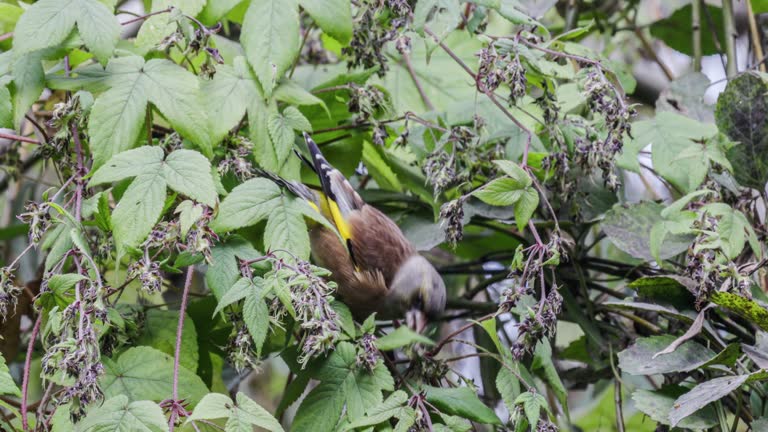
(628, 227)
(144, 373)
(463, 402)
(247, 204)
(639, 359)
(138, 209)
(675, 30)
(742, 114)
(671, 134)
(188, 173)
(703, 394)
(744, 307)
(49, 22)
(229, 94)
(159, 332)
(185, 171)
(334, 17)
(270, 37)
(7, 386)
(224, 270)
(6, 108)
(242, 416)
(658, 404)
(118, 114)
(120, 414)
(343, 384)
(286, 228)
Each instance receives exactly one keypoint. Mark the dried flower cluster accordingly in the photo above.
(311, 298)
(9, 292)
(74, 351)
(452, 220)
(600, 152)
(496, 69)
(376, 24)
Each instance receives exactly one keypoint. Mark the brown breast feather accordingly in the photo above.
(379, 248)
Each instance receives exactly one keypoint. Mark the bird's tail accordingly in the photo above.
(333, 183)
(296, 188)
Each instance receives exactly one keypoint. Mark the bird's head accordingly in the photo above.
(419, 290)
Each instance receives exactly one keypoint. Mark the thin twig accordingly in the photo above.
(177, 355)
(755, 35)
(143, 17)
(5, 36)
(27, 367)
(416, 82)
(18, 138)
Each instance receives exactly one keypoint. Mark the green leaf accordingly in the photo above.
(120, 414)
(189, 213)
(247, 204)
(57, 295)
(256, 317)
(28, 83)
(742, 114)
(543, 360)
(669, 134)
(508, 386)
(240, 290)
(48, 22)
(743, 307)
(702, 395)
(658, 404)
(144, 160)
(343, 384)
(138, 210)
(391, 407)
(639, 359)
(501, 192)
(334, 17)
(627, 228)
(118, 114)
(159, 332)
(675, 30)
(7, 386)
(270, 36)
(400, 337)
(463, 402)
(532, 404)
(281, 134)
(525, 207)
(664, 289)
(229, 94)
(514, 171)
(243, 415)
(291, 92)
(6, 109)
(286, 228)
(224, 271)
(144, 373)
(189, 173)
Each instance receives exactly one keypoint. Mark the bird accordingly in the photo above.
(375, 267)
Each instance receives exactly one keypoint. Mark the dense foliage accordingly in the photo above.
(155, 280)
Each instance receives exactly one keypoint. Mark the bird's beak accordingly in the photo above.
(416, 320)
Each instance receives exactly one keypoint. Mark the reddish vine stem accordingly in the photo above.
(27, 367)
(6, 36)
(177, 356)
(143, 17)
(18, 138)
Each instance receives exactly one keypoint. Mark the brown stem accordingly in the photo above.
(416, 82)
(143, 17)
(177, 355)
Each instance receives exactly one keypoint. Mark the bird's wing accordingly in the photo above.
(340, 197)
(374, 242)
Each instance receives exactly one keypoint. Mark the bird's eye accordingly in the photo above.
(419, 302)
